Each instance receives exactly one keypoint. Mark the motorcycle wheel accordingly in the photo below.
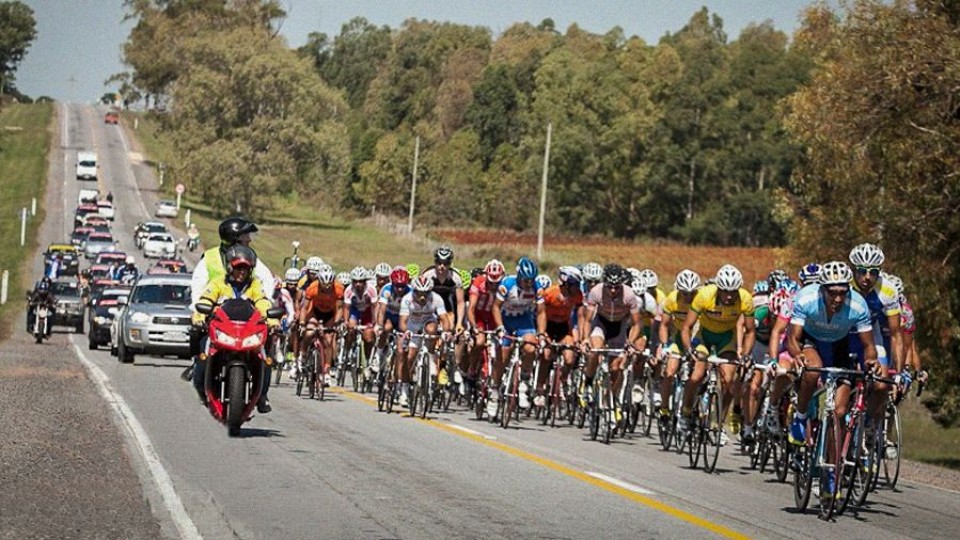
(236, 384)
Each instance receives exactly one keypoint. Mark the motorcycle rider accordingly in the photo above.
(128, 273)
(193, 237)
(238, 282)
(40, 296)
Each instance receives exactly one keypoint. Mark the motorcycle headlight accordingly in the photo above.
(226, 339)
(251, 341)
(139, 317)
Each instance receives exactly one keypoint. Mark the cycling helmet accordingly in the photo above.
(292, 275)
(687, 281)
(544, 281)
(277, 283)
(130, 260)
(382, 270)
(494, 271)
(464, 276)
(475, 272)
(422, 284)
(639, 287)
(359, 273)
(413, 269)
(729, 278)
(526, 269)
(894, 281)
(866, 255)
(761, 287)
(443, 254)
(836, 273)
(400, 277)
(238, 255)
(650, 277)
(634, 275)
(313, 264)
(613, 274)
(789, 285)
(231, 229)
(326, 275)
(592, 271)
(776, 276)
(344, 278)
(810, 273)
(569, 275)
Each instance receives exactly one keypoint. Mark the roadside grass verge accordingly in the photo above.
(924, 440)
(25, 137)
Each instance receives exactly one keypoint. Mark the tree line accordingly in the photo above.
(842, 133)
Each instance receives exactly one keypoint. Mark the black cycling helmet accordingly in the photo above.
(232, 228)
(46, 280)
(240, 255)
(476, 272)
(614, 274)
(443, 254)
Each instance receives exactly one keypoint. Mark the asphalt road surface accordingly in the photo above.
(340, 469)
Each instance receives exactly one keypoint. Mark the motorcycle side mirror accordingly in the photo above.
(275, 313)
(203, 309)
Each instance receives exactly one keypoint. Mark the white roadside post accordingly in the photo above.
(543, 192)
(33, 207)
(23, 226)
(161, 173)
(4, 287)
(186, 219)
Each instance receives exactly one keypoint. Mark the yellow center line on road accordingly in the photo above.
(568, 471)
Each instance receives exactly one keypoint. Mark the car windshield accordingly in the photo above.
(64, 289)
(162, 294)
(105, 238)
(160, 238)
(88, 163)
(156, 228)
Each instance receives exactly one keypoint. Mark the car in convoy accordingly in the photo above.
(169, 266)
(69, 307)
(105, 209)
(111, 258)
(100, 318)
(87, 167)
(79, 235)
(87, 196)
(167, 209)
(159, 245)
(143, 230)
(94, 220)
(98, 242)
(154, 320)
(82, 211)
(112, 117)
(69, 258)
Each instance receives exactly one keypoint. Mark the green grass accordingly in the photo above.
(25, 135)
(924, 440)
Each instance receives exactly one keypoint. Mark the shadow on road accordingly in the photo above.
(249, 433)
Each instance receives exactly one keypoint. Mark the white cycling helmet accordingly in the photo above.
(592, 271)
(650, 277)
(544, 281)
(382, 270)
(687, 281)
(729, 278)
(422, 284)
(836, 273)
(130, 260)
(894, 281)
(359, 273)
(569, 275)
(344, 278)
(313, 264)
(292, 275)
(639, 287)
(326, 274)
(866, 255)
(634, 274)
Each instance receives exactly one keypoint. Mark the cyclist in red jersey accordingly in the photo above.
(483, 293)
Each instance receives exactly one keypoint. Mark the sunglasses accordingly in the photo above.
(872, 270)
(837, 291)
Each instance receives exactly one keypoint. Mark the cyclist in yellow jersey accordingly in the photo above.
(672, 316)
(718, 307)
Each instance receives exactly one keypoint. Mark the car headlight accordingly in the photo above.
(226, 339)
(251, 341)
(139, 317)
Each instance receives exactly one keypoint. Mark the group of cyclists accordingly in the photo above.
(590, 317)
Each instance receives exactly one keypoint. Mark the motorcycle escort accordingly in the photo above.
(235, 360)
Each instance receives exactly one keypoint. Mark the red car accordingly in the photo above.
(111, 118)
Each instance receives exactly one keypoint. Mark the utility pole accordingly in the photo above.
(413, 188)
(543, 192)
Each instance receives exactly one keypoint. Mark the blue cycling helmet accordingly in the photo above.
(810, 273)
(527, 269)
(789, 285)
(761, 287)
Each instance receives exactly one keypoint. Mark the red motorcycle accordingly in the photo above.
(235, 365)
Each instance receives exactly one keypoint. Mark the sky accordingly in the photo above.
(78, 44)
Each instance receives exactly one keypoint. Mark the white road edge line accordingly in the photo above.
(181, 519)
(472, 432)
(619, 483)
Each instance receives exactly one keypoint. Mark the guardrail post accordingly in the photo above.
(4, 286)
(33, 206)
(23, 226)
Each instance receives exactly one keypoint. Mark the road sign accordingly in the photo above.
(180, 189)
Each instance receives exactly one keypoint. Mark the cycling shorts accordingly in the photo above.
(484, 321)
(558, 331)
(721, 342)
(394, 319)
(614, 333)
(832, 354)
(519, 327)
(362, 317)
(320, 317)
(414, 328)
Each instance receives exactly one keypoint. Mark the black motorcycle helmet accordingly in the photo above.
(232, 228)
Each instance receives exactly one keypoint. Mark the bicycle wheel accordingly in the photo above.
(480, 402)
(802, 478)
(555, 402)
(510, 396)
(831, 435)
(665, 431)
(891, 444)
(713, 426)
(320, 380)
(856, 477)
(391, 395)
(694, 441)
(312, 368)
(426, 388)
(783, 453)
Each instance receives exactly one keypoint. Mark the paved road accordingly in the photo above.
(340, 469)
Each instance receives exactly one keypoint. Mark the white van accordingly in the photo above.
(86, 166)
